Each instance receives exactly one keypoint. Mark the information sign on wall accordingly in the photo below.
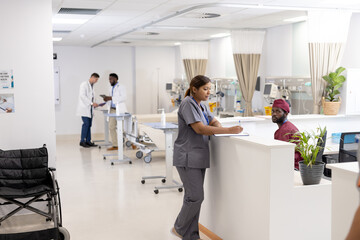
(7, 104)
(6, 79)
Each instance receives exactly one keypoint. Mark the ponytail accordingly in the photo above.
(187, 93)
(197, 82)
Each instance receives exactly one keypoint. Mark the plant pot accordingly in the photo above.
(311, 175)
(331, 108)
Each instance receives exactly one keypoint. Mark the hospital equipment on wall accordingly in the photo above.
(295, 90)
(177, 90)
(226, 95)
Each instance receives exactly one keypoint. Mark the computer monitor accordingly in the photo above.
(169, 86)
(270, 90)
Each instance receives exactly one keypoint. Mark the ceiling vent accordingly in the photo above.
(152, 33)
(81, 11)
(125, 42)
(202, 15)
(61, 31)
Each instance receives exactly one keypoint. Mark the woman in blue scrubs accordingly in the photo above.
(191, 153)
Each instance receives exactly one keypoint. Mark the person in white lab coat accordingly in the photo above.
(116, 103)
(85, 109)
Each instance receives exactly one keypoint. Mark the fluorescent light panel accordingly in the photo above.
(69, 21)
(296, 19)
(56, 39)
(219, 35)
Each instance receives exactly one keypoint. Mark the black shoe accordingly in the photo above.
(91, 144)
(84, 144)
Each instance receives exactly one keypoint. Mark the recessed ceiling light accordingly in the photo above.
(296, 19)
(177, 43)
(56, 39)
(219, 35)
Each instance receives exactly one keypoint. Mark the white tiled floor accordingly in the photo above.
(102, 202)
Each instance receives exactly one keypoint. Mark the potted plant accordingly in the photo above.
(334, 81)
(311, 145)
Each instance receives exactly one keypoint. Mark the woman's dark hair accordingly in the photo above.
(197, 82)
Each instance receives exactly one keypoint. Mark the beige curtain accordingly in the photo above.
(247, 66)
(324, 58)
(194, 67)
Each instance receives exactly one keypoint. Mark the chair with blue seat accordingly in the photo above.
(348, 147)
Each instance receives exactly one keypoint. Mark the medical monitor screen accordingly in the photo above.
(267, 89)
(168, 86)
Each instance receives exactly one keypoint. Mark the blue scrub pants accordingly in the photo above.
(187, 222)
(85, 129)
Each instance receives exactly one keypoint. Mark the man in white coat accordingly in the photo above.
(116, 103)
(85, 109)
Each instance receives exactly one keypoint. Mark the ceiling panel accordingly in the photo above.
(121, 16)
(97, 4)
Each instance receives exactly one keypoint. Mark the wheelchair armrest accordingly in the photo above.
(52, 169)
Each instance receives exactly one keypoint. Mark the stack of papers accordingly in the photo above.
(227, 135)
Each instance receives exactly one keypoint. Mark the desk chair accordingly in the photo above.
(348, 147)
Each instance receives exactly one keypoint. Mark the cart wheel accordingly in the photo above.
(143, 181)
(163, 180)
(64, 233)
(156, 191)
(147, 158)
(139, 154)
(104, 158)
(112, 163)
(180, 189)
(130, 162)
(128, 143)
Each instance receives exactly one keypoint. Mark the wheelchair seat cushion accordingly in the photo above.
(24, 168)
(39, 190)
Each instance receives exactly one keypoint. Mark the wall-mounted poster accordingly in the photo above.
(6, 79)
(7, 104)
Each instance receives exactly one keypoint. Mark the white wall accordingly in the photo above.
(76, 64)
(26, 47)
(351, 57)
(154, 66)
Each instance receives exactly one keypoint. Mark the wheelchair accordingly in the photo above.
(26, 179)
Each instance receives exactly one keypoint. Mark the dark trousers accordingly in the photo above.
(86, 129)
(187, 222)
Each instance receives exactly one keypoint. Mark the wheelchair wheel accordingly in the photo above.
(139, 154)
(64, 234)
(147, 158)
(128, 143)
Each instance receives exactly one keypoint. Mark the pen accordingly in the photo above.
(239, 122)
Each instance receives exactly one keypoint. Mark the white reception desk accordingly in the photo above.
(345, 197)
(252, 192)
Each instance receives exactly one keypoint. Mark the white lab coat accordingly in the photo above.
(118, 98)
(86, 96)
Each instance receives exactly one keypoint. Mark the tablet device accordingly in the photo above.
(102, 104)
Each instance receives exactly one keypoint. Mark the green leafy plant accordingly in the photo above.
(334, 82)
(308, 144)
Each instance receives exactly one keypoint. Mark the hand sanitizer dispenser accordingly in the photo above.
(163, 117)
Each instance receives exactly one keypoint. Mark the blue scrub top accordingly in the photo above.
(192, 149)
